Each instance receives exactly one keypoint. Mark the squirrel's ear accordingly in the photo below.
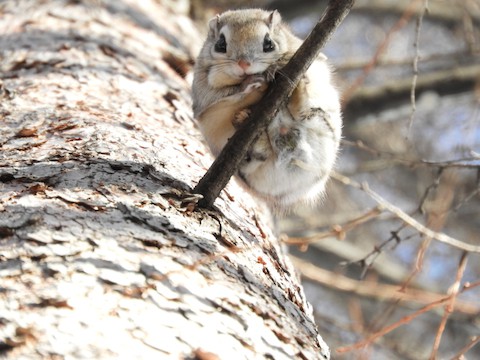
(274, 19)
(214, 25)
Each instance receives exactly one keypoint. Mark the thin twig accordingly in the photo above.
(468, 285)
(384, 62)
(226, 164)
(338, 231)
(404, 19)
(454, 291)
(466, 163)
(386, 330)
(418, 261)
(461, 353)
(416, 44)
(467, 198)
(430, 188)
(368, 260)
(405, 320)
(375, 290)
(469, 29)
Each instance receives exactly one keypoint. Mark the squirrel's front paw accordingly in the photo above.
(254, 83)
(240, 117)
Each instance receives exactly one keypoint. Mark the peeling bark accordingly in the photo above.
(102, 251)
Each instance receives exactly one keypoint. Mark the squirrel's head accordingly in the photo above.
(245, 42)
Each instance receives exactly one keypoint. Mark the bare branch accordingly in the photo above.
(466, 163)
(460, 355)
(368, 289)
(404, 19)
(416, 44)
(449, 81)
(227, 163)
(444, 238)
(405, 320)
(390, 61)
(338, 230)
(445, 11)
(454, 291)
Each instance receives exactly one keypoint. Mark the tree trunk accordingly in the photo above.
(103, 253)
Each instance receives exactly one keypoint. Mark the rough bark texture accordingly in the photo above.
(102, 253)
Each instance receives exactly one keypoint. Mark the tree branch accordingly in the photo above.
(407, 219)
(376, 290)
(454, 291)
(448, 81)
(227, 163)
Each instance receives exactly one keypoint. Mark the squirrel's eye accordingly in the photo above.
(221, 44)
(268, 44)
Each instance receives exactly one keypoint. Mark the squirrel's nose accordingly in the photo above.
(244, 64)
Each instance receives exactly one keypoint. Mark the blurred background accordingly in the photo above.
(381, 284)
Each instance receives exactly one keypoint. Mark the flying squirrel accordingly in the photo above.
(292, 159)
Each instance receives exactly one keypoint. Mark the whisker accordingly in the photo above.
(223, 62)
